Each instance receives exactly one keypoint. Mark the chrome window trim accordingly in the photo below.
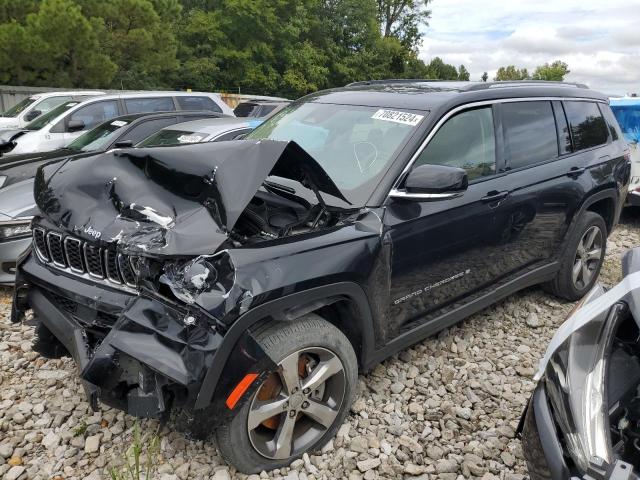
(55, 234)
(423, 196)
(395, 192)
(66, 253)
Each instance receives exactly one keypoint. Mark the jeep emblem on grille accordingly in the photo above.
(94, 233)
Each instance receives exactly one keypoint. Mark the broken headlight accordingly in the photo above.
(575, 384)
(189, 280)
(15, 229)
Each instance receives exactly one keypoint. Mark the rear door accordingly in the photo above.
(547, 182)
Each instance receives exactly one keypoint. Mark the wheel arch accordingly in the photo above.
(343, 304)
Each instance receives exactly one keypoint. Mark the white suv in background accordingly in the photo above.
(32, 107)
(66, 122)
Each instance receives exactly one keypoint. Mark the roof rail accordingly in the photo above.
(470, 85)
(392, 81)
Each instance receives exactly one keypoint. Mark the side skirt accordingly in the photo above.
(534, 277)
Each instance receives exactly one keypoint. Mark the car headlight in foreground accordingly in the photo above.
(585, 413)
(15, 229)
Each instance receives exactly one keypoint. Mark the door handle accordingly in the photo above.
(575, 172)
(495, 196)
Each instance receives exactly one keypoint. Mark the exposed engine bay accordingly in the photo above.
(623, 385)
(272, 215)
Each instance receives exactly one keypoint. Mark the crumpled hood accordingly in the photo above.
(170, 201)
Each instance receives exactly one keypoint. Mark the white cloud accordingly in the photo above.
(600, 41)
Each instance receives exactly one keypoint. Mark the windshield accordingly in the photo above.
(45, 118)
(628, 117)
(19, 107)
(173, 137)
(354, 144)
(98, 138)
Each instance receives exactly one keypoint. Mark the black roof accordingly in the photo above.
(431, 94)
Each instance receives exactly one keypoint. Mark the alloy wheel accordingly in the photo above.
(296, 405)
(588, 257)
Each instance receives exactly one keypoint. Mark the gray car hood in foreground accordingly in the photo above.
(16, 200)
(174, 201)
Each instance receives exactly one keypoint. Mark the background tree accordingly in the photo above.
(402, 19)
(511, 73)
(555, 71)
(484, 77)
(463, 74)
(271, 47)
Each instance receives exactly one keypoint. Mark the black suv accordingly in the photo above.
(242, 285)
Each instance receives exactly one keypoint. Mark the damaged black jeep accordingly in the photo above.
(242, 285)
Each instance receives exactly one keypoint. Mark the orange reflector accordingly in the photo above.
(241, 387)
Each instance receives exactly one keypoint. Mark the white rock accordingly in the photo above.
(51, 441)
(92, 444)
(14, 473)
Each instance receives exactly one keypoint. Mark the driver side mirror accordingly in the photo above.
(75, 125)
(124, 144)
(433, 182)
(32, 115)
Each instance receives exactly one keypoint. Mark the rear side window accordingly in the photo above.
(612, 123)
(198, 103)
(466, 141)
(142, 130)
(529, 133)
(96, 113)
(588, 128)
(145, 105)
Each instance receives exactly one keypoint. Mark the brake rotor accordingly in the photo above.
(272, 387)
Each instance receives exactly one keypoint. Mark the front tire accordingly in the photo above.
(298, 408)
(583, 259)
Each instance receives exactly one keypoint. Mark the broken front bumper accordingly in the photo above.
(134, 352)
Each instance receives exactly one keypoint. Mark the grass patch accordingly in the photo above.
(140, 459)
(81, 429)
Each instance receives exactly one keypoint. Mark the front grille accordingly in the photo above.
(82, 258)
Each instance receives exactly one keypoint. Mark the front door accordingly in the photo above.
(443, 251)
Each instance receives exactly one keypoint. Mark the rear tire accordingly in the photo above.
(308, 347)
(583, 258)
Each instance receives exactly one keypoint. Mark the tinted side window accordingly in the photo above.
(142, 130)
(588, 128)
(564, 136)
(466, 141)
(144, 105)
(96, 113)
(198, 103)
(529, 133)
(612, 122)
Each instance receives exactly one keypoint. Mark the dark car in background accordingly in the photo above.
(259, 108)
(243, 284)
(127, 130)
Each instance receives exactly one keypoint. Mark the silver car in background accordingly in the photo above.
(17, 207)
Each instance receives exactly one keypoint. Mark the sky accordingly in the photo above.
(599, 40)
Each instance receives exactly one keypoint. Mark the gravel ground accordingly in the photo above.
(446, 408)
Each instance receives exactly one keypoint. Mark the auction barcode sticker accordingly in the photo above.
(398, 117)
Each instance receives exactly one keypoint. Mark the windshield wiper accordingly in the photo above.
(278, 186)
